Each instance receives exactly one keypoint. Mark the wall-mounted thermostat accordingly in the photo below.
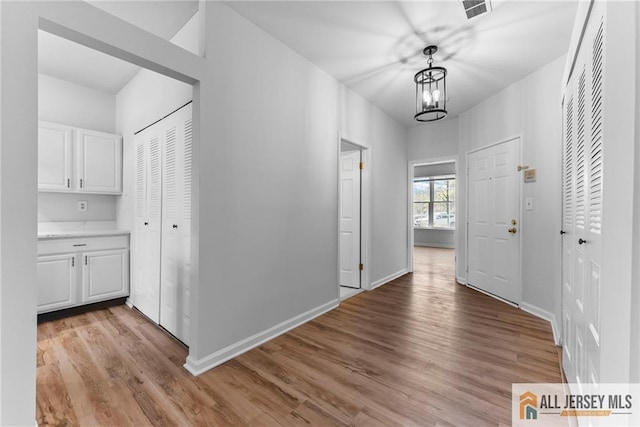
(530, 175)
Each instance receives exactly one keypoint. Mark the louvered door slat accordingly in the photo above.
(170, 185)
(188, 137)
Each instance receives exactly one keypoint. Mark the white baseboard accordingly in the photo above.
(197, 367)
(545, 315)
(434, 245)
(389, 278)
(461, 280)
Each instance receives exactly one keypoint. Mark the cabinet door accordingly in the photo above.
(54, 157)
(57, 282)
(105, 275)
(99, 162)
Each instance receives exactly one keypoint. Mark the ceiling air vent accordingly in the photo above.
(474, 8)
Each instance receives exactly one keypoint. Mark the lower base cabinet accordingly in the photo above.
(99, 272)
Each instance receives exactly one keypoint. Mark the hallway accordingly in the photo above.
(420, 350)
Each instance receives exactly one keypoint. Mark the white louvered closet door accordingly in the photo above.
(176, 224)
(145, 286)
(583, 147)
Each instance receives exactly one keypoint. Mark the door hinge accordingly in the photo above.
(361, 165)
(361, 267)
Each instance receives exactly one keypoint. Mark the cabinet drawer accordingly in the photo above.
(77, 244)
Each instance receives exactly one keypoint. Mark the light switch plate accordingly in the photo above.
(528, 203)
(83, 206)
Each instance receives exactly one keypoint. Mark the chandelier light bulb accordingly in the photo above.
(436, 96)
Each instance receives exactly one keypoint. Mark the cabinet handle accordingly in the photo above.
(68, 183)
(80, 182)
(80, 244)
(85, 260)
(73, 262)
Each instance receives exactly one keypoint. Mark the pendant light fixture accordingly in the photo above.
(431, 90)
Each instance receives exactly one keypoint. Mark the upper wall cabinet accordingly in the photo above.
(54, 157)
(78, 160)
(99, 162)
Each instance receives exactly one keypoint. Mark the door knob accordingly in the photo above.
(146, 223)
(581, 241)
(562, 232)
(175, 225)
(512, 230)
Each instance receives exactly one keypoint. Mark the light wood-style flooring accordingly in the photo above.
(418, 351)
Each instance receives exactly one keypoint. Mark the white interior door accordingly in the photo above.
(175, 270)
(583, 147)
(145, 286)
(494, 220)
(350, 219)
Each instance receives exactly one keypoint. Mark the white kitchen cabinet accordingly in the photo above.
(105, 275)
(57, 282)
(81, 270)
(54, 157)
(98, 162)
(74, 160)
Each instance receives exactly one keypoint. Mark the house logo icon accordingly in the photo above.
(528, 406)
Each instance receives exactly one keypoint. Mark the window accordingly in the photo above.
(434, 202)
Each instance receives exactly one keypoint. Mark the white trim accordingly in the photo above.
(410, 176)
(389, 278)
(489, 294)
(434, 245)
(197, 367)
(544, 315)
(461, 280)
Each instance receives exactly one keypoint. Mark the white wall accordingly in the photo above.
(521, 110)
(433, 140)
(67, 103)
(366, 125)
(64, 207)
(268, 239)
(434, 237)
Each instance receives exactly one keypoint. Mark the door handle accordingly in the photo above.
(146, 223)
(512, 230)
(581, 241)
(175, 225)
(562, 232)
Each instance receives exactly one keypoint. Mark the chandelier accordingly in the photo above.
(431, 90)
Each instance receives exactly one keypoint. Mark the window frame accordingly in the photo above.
(430, 204)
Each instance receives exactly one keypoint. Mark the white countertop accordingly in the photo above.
(55, 230)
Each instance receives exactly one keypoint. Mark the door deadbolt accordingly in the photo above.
(514, 222)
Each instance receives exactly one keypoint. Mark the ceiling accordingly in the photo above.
(58, 57)
(373, 47)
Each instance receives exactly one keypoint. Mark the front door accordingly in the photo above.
(494, 220)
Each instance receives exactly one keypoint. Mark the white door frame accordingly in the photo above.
(410, 177)
(520, 139)
(100, 31)
(365, 210)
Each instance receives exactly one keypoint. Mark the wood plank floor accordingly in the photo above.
(421, 350)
